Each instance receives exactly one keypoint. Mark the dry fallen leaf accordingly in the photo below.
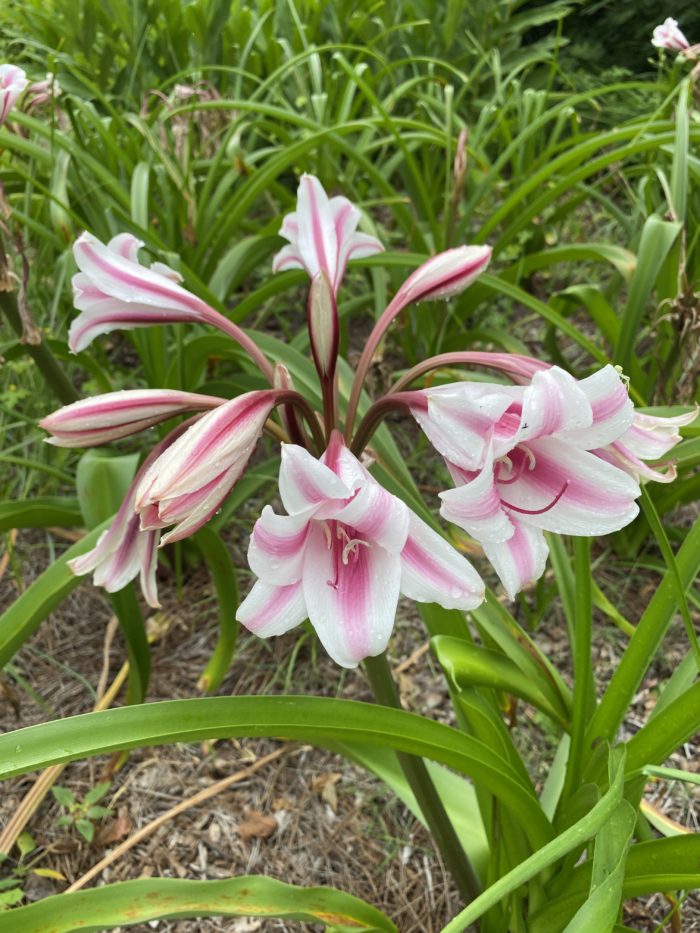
(325, 785)
(256, 825)
(116, 830)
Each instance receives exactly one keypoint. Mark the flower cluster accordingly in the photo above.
(548, 453)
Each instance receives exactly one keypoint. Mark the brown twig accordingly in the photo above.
(187, 804)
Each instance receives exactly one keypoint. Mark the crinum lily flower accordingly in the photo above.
(521, 458)
(187, 484)
(669, 36)
(124, 551)
(342, 555)
(13, 81)
(322, 234)
(113, 291)
(649, 437)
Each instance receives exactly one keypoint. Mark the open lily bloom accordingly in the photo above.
(342, 555)
(322, 234)
(521, 458)
(669, 36)
(113, 290)
(13, 81)
(649, 437)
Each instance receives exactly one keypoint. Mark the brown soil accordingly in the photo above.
(307, 817)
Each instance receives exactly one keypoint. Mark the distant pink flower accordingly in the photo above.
(12, 82)
(322, 234)
(649, 437)
(522, 462)
(40, 92)
(187, 484)
(342, 555)
(105, 418)
(668, 36)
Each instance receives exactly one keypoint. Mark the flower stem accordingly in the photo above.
(421, 784)
(62, 387)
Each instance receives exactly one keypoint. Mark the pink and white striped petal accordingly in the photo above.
(276, 549)
(351, 245)
(432, 571)
(461, 419)
(272, 610)
(552, 403)
(317, 243)
(476, 507)
(443, 276)
(611, 408)
(192, 510)
(112, 290)
(570, 491)
(104, 418)
(221, 439)
(13, 81)
(620, 456)
(376, 514)
(520, 560)
(148, 556)
(351, 604)
(650, 437)
(307, 484)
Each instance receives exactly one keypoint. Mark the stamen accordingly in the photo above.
(326, 534)
(350, 548)
(516, 508)
(517, 472)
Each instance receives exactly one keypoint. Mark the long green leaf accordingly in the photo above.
(29, 610)
(470, 665)
(130, 902)
(313, 719)
(644, 643)
(661, 865)
(570, 839)
(41, 512)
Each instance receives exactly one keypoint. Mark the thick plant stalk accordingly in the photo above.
(421, 784)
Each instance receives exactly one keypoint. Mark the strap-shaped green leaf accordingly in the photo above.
(318, 720)
(29, 610)
(130, 902)
(660, 865)
(42, 512)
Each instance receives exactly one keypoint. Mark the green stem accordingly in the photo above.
(49, 367)
(421, 784)
(584, 691)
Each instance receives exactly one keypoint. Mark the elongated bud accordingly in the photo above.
(444, 275)
(323, 325)
(106, 418)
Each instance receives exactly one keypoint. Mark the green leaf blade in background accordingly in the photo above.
(312, 719)
(129, 902)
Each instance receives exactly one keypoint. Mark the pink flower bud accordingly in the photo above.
(106, 418)
(323, 325)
